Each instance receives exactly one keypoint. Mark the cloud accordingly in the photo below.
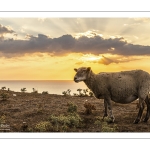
(5, 29)
(145, 20)
(90, 33)
(118, 59)
(68, 44)
(79, 63)
(106, 60)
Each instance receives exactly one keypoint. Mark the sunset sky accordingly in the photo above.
(50, 48)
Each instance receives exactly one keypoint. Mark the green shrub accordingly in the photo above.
(62, 123)
(3, 88)
(74, 120)
(45, 92)
(44, 126)
(75, 94)
(23, 90)
(85, 91)
(66, 93)
(91, 94)
(71, 107)
(4, 96)
(2, 119)
(105, 127)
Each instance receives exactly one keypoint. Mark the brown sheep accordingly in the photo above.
(121, 87)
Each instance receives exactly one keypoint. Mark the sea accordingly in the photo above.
(51, 86)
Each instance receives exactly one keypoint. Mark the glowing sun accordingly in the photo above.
(90, 57)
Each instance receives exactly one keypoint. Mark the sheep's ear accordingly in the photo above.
(75, 69)
(88, 69)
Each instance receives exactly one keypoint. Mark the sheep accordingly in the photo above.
(121, 87)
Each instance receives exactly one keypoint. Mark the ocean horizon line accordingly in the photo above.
(37, 80)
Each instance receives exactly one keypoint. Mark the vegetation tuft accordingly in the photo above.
(4, 96)
(43, 126)
(104, 125)
(63, 123)
(72, 108)
(89, 107)
(66, 93)
(23, 90)
(3, 88)
(34, 90)
(45, 92)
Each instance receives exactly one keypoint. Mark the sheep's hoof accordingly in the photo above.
(110, 121)
(136, 121)
(145, 120)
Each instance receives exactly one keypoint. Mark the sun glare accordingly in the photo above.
(90, 57)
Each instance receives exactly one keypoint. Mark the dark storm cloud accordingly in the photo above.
(4, 30)
(67, 43)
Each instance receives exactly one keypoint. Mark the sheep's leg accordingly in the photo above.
(147, 100)
(111, 116)
(105, 110)
(140, 111)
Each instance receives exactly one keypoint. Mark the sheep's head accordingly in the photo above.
(82, 74)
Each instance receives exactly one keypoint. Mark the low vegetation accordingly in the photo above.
(4, 96)
(81, 93)
(89, 107)
(45, 92)
(23, 90)
(104, 125)
(66, 93)
(44, 112)
(34, 90)
(61, 123)
(72, 108)
(3, 88)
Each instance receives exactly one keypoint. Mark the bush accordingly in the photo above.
(23, 90)
(62, 123)
(4, 96)
(105, 127)
(74, 120)
(89, 107)
(3, 88)
(91, 94)
(44, 126)
(75, 94)
(34, 90)
(71, 107)
(2, 119)
(85, 91)
(66, 93)
(45, 92)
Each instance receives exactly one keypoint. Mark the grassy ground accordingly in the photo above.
(34, 112)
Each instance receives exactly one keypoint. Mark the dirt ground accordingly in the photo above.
(22, 108)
